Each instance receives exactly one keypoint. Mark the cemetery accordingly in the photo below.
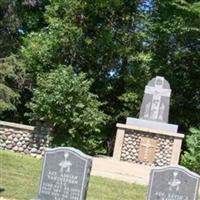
(99, 100)
(146, 145)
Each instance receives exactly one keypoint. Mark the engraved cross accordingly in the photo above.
(157, 91)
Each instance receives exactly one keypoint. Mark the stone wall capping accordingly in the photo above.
(147, 130)
(18, 126)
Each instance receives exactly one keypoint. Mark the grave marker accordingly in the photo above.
(65, 175)
(173, 183)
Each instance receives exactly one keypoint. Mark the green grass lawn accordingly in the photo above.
(19, 176)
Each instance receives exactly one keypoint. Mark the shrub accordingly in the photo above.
(191, 157)
(62, 99)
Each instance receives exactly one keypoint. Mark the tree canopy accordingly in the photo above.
(119, 44)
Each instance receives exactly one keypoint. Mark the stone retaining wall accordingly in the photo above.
(131, 144)
(21, 138)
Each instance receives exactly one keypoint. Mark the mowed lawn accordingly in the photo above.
(19, 177)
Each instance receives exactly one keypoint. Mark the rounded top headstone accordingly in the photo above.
(155, 104)
(159, 80)
(173, 182)
(65, 174)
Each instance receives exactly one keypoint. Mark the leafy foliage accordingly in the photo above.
(98, 38)
(62, 99)
(120, 44)
(191, 157)
(56, 43)
(11, 77)
(175, 55)
(18, 17)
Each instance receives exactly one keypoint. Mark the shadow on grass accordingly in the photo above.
(2, 190)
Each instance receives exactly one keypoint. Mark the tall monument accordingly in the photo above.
(150, 140)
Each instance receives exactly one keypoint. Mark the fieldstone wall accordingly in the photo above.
(21, 138)
(131, 146)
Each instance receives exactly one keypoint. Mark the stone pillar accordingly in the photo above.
(176, 151)
(118, 143)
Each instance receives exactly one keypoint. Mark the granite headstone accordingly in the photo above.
(173, 183)
(155, 104)
(65, 174)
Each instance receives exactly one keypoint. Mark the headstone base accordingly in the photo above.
(160, 126)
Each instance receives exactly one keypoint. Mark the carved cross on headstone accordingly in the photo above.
(65, 175)
(155, 105)
(147, 150)
(173, 183)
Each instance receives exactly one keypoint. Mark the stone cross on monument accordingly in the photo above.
(155, 105)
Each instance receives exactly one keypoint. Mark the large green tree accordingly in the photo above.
(8, 96)
(102, 39)
(175, 49)
(17, 18)
(120, 44)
